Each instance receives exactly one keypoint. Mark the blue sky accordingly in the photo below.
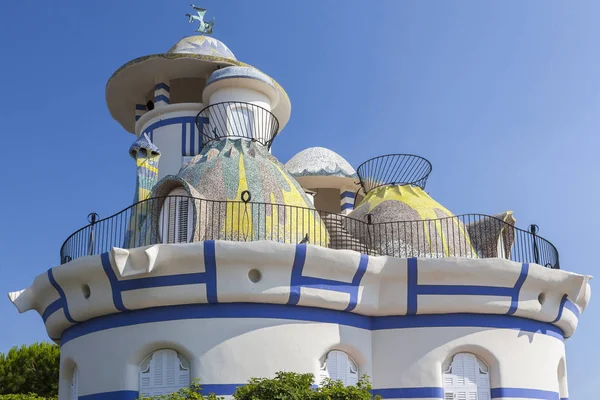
(502, 97)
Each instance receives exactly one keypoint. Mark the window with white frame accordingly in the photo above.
(466, 377)
(176, 221)
(163, 372)
(74, 387)
(340, 367)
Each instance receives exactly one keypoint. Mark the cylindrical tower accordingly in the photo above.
(161, 94)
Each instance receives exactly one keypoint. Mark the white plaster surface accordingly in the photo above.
(244, 348)
(383, 289)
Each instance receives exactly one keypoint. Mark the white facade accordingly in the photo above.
(231, 326)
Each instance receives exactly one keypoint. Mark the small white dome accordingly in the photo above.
(319, 161)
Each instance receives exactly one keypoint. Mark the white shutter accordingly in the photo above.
(352, 373)
(182, 220)
(74, 389)
(339, 366)
(466, 379)
(176, 220)
(165, 374)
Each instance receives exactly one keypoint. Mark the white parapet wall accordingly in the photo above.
(238, 310)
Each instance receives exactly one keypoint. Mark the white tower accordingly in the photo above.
(161, 95)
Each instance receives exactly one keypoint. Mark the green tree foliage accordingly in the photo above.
(30, 370)
(24, 397)
(285, 386)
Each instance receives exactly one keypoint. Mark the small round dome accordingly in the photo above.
(319, 161)
(204, 45)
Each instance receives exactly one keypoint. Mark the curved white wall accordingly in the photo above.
(400, 319)
(241, 94)
(172, 129)
(228, 351)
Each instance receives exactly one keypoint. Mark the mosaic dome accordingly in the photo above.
(203, 45)
(319, 161)
(227, 168)
(390, 204)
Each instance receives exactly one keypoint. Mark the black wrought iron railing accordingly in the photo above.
(180, 219)
(393, 169)
(239, 120)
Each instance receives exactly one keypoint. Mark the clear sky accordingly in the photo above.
(502, 97)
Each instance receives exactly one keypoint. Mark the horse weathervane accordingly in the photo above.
(203, 27)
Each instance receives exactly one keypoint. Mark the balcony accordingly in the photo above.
(182, 219)
(236, 119)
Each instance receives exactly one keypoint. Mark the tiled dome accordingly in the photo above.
(319, 161)
(200, 44)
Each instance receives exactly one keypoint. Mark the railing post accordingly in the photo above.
(533, 228)
(92, 218)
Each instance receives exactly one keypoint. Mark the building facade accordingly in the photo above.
(231, 265)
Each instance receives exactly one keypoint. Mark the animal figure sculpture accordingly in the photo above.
(203, 26)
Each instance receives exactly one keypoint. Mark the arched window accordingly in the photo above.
(176, 221)
(74, 387)
(466, 378)
(163, 372)
(340, 367)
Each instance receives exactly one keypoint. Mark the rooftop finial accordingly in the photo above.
(203, 27)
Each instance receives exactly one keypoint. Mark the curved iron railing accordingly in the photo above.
(237, 119)
(177, 219)
(394, 169)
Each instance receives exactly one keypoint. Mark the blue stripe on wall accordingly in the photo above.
(396, 393)
(297, 267)
(161, 97)
(161, 85)
(210, 265)
(410, 393)
(192, 151)
(119, 395)
(561, 307)
(414, 289)
(220, 389)
(499, 393)
(464, 290)
(412, 283)
(346, 206)
(360, 272)
(51, 309)
(569, 305)
(514, 303)
(299, 313)
(183, 139)
(114, 282)
(160, 281)
(298, 281)
(347, 194)
(140, 107)
(63, 298)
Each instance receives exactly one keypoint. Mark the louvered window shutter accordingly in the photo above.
(340, 367)
(74, 395)
(176, 217)
(182, 220)
(172, 219)
(466, 379)
(165, 374)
